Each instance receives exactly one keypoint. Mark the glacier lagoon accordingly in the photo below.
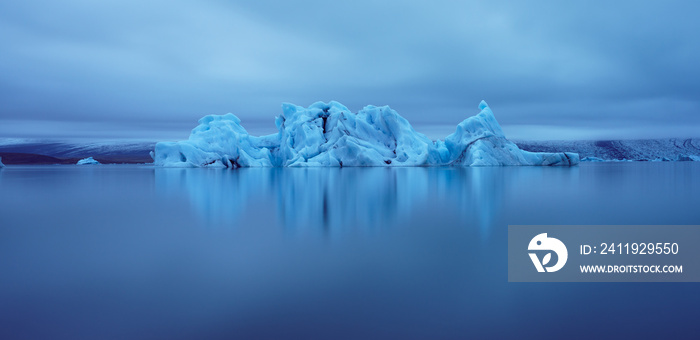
(117, 251)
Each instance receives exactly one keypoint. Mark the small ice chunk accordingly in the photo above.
(86, 161)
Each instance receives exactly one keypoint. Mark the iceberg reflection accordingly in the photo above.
(334, 199)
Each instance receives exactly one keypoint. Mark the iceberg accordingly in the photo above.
(86, 161)
(1, 165)
(330, 135)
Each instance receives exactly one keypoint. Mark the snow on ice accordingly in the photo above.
(330, 135)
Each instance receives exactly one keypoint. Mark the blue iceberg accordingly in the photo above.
(330, 135)
(87, 161)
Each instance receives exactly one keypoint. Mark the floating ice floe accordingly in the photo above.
(86, 161)
(1, 165)
(329, 134)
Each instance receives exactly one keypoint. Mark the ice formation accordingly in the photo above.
(1, 165)
(329, 134)
(88, 160)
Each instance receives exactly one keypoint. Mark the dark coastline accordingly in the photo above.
(50, 152)
(13, 158)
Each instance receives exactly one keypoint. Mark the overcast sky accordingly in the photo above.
(548, 69)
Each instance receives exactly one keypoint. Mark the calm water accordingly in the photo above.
(117, 252)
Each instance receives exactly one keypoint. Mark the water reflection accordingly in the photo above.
(344, 198)
(340, 200)
(113, 251)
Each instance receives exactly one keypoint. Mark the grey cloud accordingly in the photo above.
(595, 67)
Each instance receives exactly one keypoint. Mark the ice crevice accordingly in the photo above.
(330, 135)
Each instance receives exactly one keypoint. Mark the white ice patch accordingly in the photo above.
(329, 134)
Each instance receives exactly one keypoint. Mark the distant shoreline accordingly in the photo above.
(670, 149)
(14, 158)
(56, 152)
